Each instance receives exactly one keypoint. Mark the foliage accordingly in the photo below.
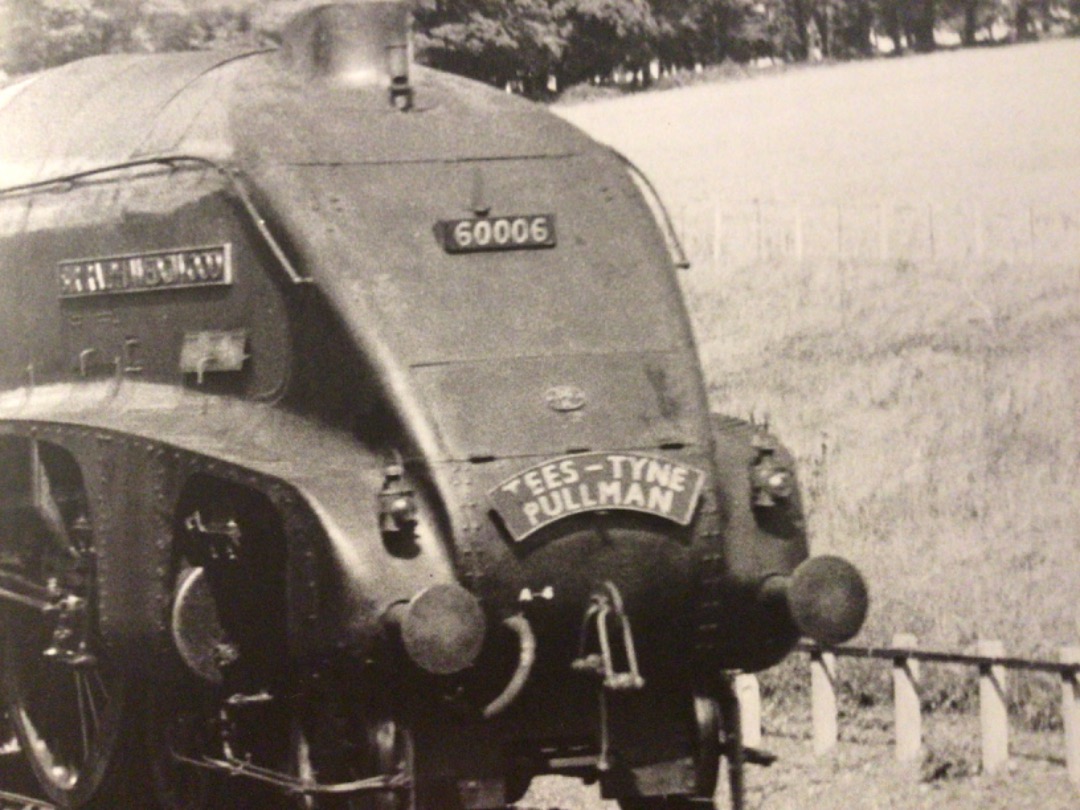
(498, 42)
(605, 35)
(45, 33)
(534, 46)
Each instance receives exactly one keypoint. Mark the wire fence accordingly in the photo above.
(734, 233)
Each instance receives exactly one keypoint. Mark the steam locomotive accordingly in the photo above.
(354, 450)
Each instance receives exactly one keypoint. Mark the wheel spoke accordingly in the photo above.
(84, 726)
(102, 686)
(91, 702)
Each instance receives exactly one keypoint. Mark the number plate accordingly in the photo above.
(593, 482)
(519, 232)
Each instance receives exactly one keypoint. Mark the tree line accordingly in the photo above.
(540, 46)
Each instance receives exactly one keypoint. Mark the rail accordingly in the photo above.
(905, 655)
(232, 177)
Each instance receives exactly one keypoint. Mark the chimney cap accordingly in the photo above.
(356, 44)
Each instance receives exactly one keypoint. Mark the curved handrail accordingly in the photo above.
(232, 176)
(672, 238)
(526, 658)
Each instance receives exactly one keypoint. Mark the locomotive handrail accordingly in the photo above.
(671, 236)
(526, 658)
(231, 175)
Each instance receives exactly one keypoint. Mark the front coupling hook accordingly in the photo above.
(604, 604)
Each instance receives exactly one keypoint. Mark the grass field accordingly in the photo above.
(994, 124)
(933, 398)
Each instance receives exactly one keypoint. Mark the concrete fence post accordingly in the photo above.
(1070, 713)
(759, 231)
(839, 233)
(883, 231)
(1076, 228)
(993, 709)
(823, 700)
(798, 235)
(717, 234)
(906, 700)
(978, 245)
(748, 692)
(930, 231)
(1033, 245)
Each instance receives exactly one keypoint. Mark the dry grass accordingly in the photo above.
(931, 394)
(936, 420)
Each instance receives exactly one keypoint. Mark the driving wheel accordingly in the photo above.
(63, 696)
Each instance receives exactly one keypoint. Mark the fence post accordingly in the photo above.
(748, 692)
(930, 230)
(1075, 222)
(839, 232)
(883, 232)
(758, 226)
(906, 700)
(823, 700)
(717, 234)
(1032, 248)
(798, 234)
(978, 246)
(1070, 713)
(993, 712)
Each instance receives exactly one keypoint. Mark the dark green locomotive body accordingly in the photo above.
(367, 404)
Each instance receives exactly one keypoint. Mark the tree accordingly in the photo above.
(517, 41)
(970, 16)
(605, 35)
(46, 33)
(846, 27)
(43, 33)
(920, 19)
(707, 32)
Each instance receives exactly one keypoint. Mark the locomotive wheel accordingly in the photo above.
(66, 701)
(707, 763)
(68, 720)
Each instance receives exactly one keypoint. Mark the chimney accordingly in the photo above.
(358, 44)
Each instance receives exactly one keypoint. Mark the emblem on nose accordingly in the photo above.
(565, 398)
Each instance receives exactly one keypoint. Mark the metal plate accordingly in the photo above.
(592, 482)
(146, 272)
(517, 232)
(222, 350)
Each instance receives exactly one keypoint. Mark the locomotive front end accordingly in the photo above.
(517, 304)
(435, 500)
